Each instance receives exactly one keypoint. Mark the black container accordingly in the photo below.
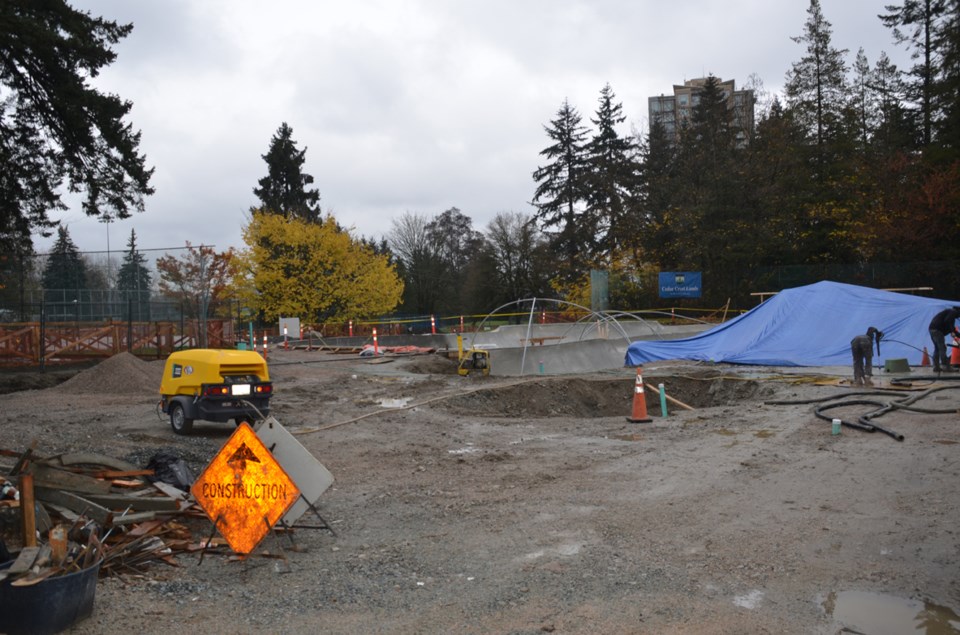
(50, 606)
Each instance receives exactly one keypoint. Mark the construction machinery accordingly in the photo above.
(215, 385)
(471, 361)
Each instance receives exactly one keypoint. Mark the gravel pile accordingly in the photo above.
(120, 374)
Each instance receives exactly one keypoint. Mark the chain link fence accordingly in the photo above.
(106, 305)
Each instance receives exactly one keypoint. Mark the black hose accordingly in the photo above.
(800, 402)
(863, 423)
(885, 339)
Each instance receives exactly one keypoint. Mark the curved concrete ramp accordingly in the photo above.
(574, 357)
(565, 348)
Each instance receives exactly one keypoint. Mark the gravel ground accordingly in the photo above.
(530, 505)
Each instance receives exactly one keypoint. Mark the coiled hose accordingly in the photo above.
(865, 422)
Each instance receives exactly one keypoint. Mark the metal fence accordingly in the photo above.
(100, 305)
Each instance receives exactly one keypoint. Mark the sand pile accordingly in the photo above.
(123, 373)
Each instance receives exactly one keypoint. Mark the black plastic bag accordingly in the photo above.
(171, 469)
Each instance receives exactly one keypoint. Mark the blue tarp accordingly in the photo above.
(808, 326)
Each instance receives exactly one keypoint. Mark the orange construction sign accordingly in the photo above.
(244, 490)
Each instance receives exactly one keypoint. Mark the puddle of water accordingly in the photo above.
(879, 614)
(750, 600)
(394, 403)
(468, 450)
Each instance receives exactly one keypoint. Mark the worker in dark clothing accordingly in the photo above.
(862, 348)
(943, 323)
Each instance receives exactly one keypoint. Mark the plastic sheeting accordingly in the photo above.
(808, 326)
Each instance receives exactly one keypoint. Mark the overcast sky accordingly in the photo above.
(419, 105)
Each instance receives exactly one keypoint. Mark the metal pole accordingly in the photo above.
(523, 358)
(43, 334)
(129, 324)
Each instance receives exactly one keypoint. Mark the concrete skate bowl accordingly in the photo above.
(591, 398)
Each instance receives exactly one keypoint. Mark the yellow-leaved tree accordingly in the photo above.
(313, 270)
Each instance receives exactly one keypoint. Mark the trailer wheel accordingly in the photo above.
(179, 421)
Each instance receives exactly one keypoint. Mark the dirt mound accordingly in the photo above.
(123, 373)
(547, 398)
(431, 365)
(599, 398)
(15, 380)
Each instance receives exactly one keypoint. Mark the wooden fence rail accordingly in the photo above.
(30, 344)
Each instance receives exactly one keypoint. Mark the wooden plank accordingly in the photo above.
(145, 528)
(92, 458)
(52, 478)
(28, 514)
(23, 460)
(170, 490)
(137, 503)
(119, 482)
(122, 474)
(67, 514)
(28, 555)
(134, 518)
(76, 503)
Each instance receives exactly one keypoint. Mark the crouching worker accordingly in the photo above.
(862, 348)
(942, 325)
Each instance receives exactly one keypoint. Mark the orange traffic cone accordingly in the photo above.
(955, 355)
(639, 414)
(925, 360)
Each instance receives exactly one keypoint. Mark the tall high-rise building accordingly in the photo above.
(674, 111)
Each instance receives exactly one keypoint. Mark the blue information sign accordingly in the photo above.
(680, 284)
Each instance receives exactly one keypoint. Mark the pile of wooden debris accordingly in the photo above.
(65, 513)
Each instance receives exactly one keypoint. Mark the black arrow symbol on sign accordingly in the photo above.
(243, 454)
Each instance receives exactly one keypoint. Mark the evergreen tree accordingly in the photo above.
(133, 281)
(864, 104)
(915, 23)
(284, 190)
(613, 179)
(65, 274)
(562, 192)
(816, 85)
(775, 173)
(54, 127)
(16, 265)
(817, 95)
(896, 129)
(712, 211)
(418, 263)
(947, 86)
(658, 179)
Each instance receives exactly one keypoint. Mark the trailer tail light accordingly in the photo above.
(216, 391)
(263, 389)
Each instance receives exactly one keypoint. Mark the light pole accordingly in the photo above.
(107, 220)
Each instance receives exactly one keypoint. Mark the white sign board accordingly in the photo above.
(309, 475)
(292, 324)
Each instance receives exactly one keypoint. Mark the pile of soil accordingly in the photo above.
(431, 365)
(17, 379)
(588, 398)
(121, 374)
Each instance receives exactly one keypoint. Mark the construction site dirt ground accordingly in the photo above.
(530, 505)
